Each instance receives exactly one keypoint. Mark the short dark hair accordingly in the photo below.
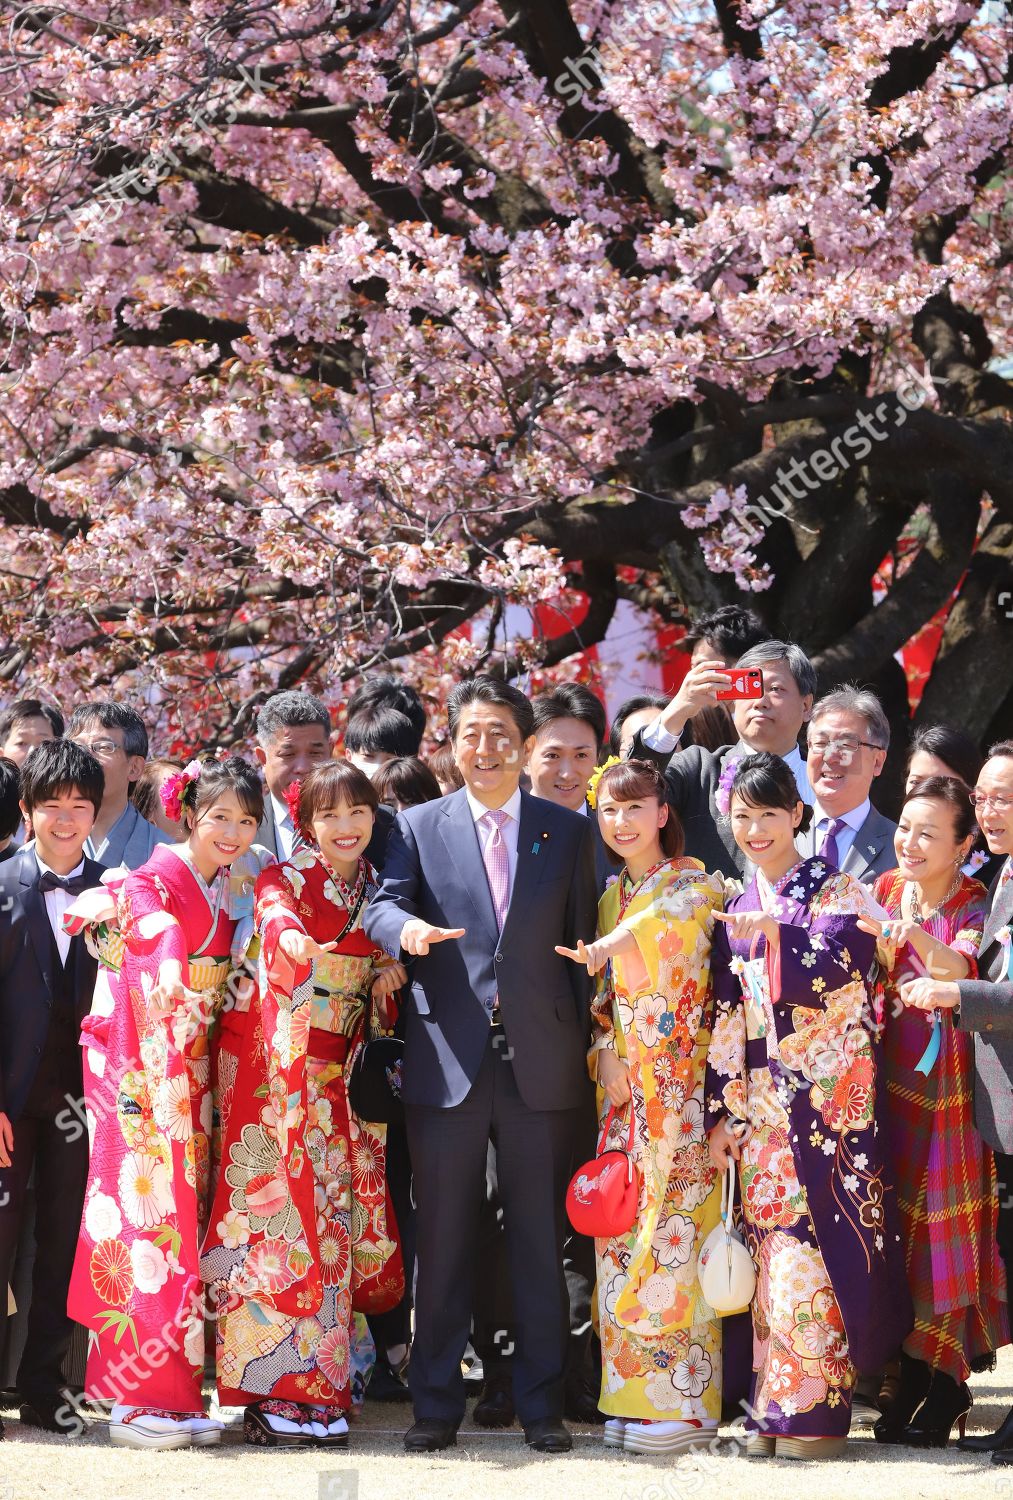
(10, 798)
(30, 708)
(407, 780)
(232, 774)
(1000, 748)
(953, 791)
(144, 793)
(632, 706)
(799, 665)
(765, 780)
(111, 715)
(60, 766)
(390, 692)
(731, 630)
(571, 700)
(638, 780)
(381, 731)
(289, 710)
(952, 746)
(491, 690)
(333, 782)
(444, 767)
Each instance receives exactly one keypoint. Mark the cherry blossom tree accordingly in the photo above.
(332, 329)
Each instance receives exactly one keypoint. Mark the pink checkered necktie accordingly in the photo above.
(497, 861)
(1005, 877)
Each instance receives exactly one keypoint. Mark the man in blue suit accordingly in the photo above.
(479, 889)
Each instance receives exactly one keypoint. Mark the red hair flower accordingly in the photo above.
(179, 791)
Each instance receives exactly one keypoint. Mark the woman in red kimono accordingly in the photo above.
(166, 966)
(302, 1235)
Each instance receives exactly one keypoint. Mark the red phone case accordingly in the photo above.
(746, 683)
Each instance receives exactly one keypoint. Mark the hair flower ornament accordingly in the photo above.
(723, 795)
(292, 794)
(179, 791)
(596, 776)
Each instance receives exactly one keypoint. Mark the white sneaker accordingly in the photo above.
(146, 1427)
(204, 1431)
(615, 1427)
(668, 1437)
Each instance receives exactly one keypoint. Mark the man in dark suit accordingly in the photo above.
(46, 984)
(984, 1007)
(479, 889)
(849, 738)
(772, 723)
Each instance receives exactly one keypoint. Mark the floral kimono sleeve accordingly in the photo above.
(147, 923)
(813, 961)
(277, 904)
(725, 1080)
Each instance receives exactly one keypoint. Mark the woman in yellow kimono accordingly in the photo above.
(661, 1342)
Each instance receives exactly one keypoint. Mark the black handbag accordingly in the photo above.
(374, 1083)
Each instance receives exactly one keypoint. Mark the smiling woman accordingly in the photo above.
(160, 988)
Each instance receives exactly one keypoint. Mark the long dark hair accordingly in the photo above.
(953, 791)
(952, 746)
(639, 781)
(765, 780)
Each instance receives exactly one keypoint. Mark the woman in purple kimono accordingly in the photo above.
(792, 1096)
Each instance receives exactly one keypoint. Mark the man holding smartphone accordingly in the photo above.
(772, 721)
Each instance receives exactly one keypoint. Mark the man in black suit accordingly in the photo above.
(46, 984)
(479, 889)
(772, 722)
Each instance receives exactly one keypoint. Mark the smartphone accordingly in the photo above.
(744, 682)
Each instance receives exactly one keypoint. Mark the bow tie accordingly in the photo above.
(74, 884)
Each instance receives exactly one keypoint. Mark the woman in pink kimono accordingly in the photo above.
(166, 956)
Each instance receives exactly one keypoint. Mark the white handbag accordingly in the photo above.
(724, 1266)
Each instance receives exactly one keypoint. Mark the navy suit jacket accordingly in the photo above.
(26, 975)
(434, 870)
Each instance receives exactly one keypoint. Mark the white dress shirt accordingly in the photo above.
(510, 830)
(56, 904)
(658, 739)
(284, 827)
(853, 821)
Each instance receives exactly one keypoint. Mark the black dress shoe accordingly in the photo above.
(946, 1403)
(429, 1435)
(548, 1436)
(990, 1442)
(385, 1384)
(495, 1405)
(580, 1405)
(912, 1387)
(51, 1414)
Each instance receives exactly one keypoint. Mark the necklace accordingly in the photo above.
(922, 916)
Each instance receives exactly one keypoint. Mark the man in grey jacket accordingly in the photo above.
(849, 737)
(984, 1007)
(117, 738)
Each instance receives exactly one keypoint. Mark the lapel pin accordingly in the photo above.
(537, 845)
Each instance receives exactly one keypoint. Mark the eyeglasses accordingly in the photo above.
(102, 749)
(846, 745)
(982, 799)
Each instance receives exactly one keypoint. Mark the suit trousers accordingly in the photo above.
(449, 1151)
(61, 1173)
(1004, 1223)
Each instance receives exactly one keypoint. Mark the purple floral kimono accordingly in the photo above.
(794, 1053)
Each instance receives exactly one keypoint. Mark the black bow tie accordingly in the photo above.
(74, 884)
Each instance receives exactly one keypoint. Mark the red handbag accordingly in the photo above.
(603, 1195)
